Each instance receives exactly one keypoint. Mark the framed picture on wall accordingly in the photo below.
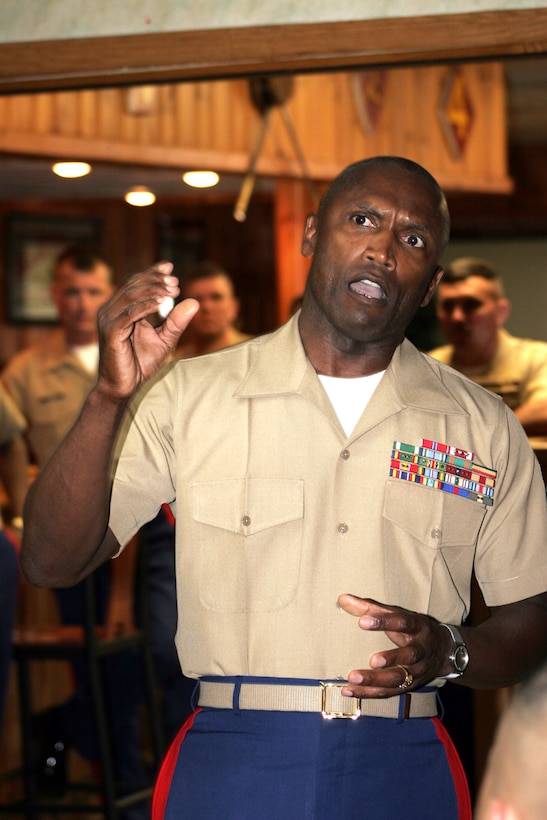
(32, 243)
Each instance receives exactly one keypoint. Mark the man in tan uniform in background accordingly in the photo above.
(472, 309)
(49, 383)
(214, 327)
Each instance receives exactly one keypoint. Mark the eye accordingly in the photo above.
(362, 219)
(414, 240)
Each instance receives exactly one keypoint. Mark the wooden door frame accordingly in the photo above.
(295, 48)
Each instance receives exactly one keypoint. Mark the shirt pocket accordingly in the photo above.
(430, 538)
(249, 539)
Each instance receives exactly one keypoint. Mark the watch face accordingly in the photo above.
(461, 658)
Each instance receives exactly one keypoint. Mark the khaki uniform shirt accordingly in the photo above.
(517, 373)
(11, 420)
(49, 385)
(278, 512)
(187, 347)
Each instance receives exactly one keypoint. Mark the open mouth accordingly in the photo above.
(368, 289)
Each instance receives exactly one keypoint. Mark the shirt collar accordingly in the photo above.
(411, 378)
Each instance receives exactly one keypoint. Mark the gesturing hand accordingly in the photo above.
(132, 348)
(421, 649)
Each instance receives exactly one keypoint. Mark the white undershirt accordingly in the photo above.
(349, 397)
(88, 356)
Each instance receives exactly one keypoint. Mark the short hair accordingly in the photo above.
(466, 266)
(346, 179)
(82, 257)
(207, 269)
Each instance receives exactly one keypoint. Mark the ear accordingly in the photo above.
(504, 309)
(235, 309)
(310, 235)
(436, 278)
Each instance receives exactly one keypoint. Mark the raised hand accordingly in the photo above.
(133, 348)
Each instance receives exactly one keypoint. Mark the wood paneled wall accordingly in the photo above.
(215, 124)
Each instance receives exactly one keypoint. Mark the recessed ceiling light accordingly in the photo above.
(201, 179)
(71, 170)
(140, 196)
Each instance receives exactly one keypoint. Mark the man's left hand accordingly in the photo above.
(421, 653)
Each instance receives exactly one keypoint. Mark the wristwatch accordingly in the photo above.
(459, 655)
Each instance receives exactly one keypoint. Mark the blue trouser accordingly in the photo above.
(9, 582)
(296, 766)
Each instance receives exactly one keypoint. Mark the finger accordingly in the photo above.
(367, 683)
(371, 614)
(398, 676)
(392, 657)
(178, 319)
(353, 604)
(140, 296)
(164, 267)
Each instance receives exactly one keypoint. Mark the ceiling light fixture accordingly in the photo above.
(201, 179)
(140, 196)
(71, 170)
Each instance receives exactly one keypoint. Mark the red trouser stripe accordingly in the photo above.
(165, 775)
(460, 780)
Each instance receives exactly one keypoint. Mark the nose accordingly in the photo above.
(205, 305)
(379, 247)
(457, 314)
(85, 302)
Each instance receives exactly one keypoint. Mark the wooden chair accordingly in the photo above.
(91, 643)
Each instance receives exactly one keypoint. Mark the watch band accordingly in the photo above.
(459, 656)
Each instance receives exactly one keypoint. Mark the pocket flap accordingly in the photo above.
(248, 505)
(434, 517)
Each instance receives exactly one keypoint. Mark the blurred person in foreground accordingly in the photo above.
(334, 490)
(49, 383)
(14, 476)
(513, 787)
(472, 309)
(214, 327)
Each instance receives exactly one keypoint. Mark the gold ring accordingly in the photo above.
(409, 678)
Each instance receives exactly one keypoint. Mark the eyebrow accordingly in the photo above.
(409, 224)
(417, 226)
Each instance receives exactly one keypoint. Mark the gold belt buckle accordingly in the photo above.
(329, 714)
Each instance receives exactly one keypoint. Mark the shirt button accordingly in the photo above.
(345, 454)
(342, 528)
(436, 533)
(246, 521)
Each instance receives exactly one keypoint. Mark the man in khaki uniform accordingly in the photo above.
(334, 490)
(214, 327)
(49, 383)
(472, 309)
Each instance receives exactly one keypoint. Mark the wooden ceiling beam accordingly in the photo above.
(236, 52)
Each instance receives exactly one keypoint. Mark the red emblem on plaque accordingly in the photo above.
(369, 88)
(456, 113)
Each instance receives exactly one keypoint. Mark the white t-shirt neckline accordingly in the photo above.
(349, 397)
